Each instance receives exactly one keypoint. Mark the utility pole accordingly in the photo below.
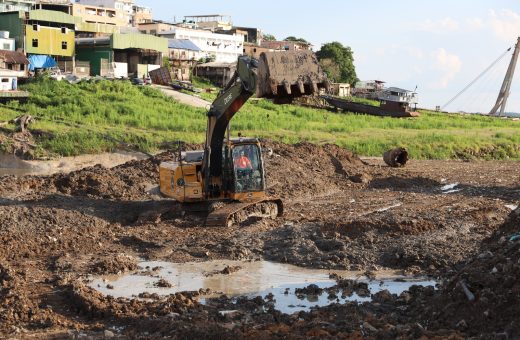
(506, 85)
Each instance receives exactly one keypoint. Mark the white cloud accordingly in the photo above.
(448, 64)
(445, 25)
(473, 24)
(505, 24)
(415, 52)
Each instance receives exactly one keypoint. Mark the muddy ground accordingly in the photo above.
(341, 212)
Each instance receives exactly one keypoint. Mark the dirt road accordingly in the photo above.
(452, 220)
(183, 98)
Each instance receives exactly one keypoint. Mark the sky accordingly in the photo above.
(437, 46)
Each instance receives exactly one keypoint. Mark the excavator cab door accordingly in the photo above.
(247, 168)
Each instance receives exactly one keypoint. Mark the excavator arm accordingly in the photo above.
(278, 75)
(238, 90)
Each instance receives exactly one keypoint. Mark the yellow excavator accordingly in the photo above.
(226, 180)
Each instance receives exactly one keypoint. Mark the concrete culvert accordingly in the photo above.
(396, 157)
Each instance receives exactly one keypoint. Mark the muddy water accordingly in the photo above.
(249, 279)
(11, 165)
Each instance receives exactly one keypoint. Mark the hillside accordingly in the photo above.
(97, 116)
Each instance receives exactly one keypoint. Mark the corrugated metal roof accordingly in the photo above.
(53, 16)
(183, 44)
(140, 41)
(13, 57)
(397, 89)
(96, 28)
(218, 64)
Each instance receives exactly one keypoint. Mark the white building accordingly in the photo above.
(16, 5)
(8, 80)
(223, 47)
(6, 43)
(127, 6)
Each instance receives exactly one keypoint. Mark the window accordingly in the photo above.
(246, 162)
(7, 46)
(63, 45)
(64, 30)
(5, 80)
(36, 27)
(35, 43)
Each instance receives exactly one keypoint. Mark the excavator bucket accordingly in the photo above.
(285, 75)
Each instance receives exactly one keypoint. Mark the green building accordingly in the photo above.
(122, 55)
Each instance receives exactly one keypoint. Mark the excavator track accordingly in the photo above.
(233, 213)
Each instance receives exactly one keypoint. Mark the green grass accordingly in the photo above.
(92, 117)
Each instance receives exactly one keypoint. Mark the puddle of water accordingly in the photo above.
(449, 187)
(253, 279)
(11, 165)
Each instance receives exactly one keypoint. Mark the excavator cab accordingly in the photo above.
(245, 169)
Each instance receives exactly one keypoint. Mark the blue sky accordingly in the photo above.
(438, 46)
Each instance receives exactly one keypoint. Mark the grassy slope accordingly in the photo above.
(92, 117)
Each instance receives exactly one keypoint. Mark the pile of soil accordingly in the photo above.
(492, 306)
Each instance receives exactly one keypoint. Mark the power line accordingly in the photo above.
(476, 79)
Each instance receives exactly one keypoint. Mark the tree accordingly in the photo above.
(338, 62)
(269, 37)
(291, 38)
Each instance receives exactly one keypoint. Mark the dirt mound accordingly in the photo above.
(492, 305)
(114, 265)
(305, 169)
(129, 180)
(21, 144)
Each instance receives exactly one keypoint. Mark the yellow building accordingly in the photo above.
(57, 41)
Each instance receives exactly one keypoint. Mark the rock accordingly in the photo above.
(361, 178)
(383, 296)
(369, 327)
(462, 324)
(108, 334)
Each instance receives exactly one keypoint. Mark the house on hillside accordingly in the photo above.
(285, 45)
(254, 51)
(183, 56)
(14, 61)
(368, 88)
(218, 73)
(222, 48)
(340, 89)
